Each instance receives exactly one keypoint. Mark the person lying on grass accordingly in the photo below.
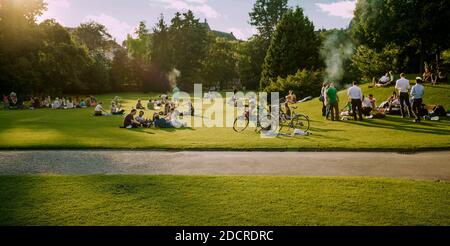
(385, 80)
(129, 121)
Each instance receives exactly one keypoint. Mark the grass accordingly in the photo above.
(78, 129)
(183, 201)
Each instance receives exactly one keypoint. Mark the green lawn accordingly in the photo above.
(65, 129)
(180, 200)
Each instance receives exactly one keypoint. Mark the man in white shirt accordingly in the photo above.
(99, 109)
(402, 85)
(417, 93)
(355, 95)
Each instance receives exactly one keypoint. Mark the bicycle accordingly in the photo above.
(289, 122)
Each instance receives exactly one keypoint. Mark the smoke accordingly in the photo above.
(336, 49)
(173, 76)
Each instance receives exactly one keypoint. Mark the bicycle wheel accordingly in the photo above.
(241, 123)
(283, 125)
(300, 122)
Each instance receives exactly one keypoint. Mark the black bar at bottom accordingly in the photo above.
(232, 235)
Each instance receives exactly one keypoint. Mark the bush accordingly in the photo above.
(371, 63)
(304, 83)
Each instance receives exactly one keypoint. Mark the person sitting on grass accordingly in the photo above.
(93, 101)
(173, 119)
(115, 110)
(83, 104)
(160, 121)
(142, 120)
(70, 104)
(151, 105)
(99, 111)
(139, 105)
(56, 104)
(129, 121)
(76, 102)
(46, 102)
(5, 102)
(367, 106)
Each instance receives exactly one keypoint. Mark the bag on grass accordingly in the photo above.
(439, 110)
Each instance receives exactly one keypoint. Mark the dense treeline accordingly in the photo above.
(287, 53)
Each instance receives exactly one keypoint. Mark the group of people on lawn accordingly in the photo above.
(12, 102)
(410, 100)
(169, 117)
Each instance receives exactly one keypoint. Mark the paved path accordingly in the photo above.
(427, 165)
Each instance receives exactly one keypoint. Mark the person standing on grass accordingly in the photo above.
(355, 94)
(403, 86)
(333, 102)
(417, 93)
(323, 99)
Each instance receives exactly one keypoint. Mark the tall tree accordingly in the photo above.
(416, 25)
(189, 44)
(294, 46)
(266, 14)
(250, 59)
(19, 44)
(94, 35)
(140, 47)
(220, 64)
(161, 47)
(61, 61)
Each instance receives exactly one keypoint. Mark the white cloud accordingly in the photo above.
(118, 29)
(242, 33)
(55, 10)
(343, 9)
(197, 6)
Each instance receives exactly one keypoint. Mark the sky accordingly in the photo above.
(121, 17)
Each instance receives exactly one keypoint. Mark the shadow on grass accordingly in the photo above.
(393, 123)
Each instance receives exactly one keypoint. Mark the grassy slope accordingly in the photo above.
(79, 129)
(174, 200)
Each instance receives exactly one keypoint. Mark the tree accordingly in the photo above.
(189, 44)
(161, 54)
(371, 63)
(294, 46)
(94, 35)
(140, 47)
(61, 61)
(161, 51)
(251, 56)
(220, 64)
(416, 25)
(266, 14)
(122, 78)
(19, 44)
